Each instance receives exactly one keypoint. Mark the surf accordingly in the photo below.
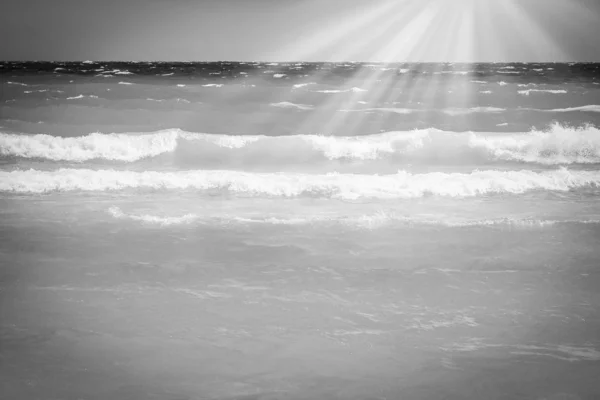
(402, 185)
(557, 145)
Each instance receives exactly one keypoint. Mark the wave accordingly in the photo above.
(473, 110)
(301, 85)
(81, 96)
(557, 145)
(587, 108)
(448, 111)
(529, 91)
(374, 220)
(354, 90)
(153, 219)
(402, 185)
(287, 104)
(385, 109)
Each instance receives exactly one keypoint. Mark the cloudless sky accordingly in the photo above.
(307, 30)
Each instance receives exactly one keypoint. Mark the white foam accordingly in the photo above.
(125, 83)
(332, 185)
(81, 96)
(502, 83)
(587, 108)
(153, 219)
(354, 89)
(279, 75)
(385, 109)
(17, 83)
(367, 147)
(558, 145)
(299, 85)
(213, 85)
(287, 104)
(473, 110)
(181, 85)
(117, 147)
(529, 91)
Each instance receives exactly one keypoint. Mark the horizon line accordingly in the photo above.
(304, 62)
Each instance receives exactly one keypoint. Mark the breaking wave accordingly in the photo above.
(555, 146)
(402, 185)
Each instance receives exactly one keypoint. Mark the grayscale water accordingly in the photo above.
(299, 231)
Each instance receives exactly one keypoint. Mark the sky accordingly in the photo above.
(301, 30)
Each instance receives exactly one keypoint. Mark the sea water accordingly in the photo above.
(299, 231)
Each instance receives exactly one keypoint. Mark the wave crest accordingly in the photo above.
(557, 145)
(333, 185)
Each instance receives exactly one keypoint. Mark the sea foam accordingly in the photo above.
(554, 146)
(402, 185)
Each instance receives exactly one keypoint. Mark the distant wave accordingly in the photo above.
(385, 109)
(587, 108)
(287, 104)
(556, 145)
(529, 91)
(81, 96)
(332, 185)
(300, 85)
(448, 111)
(354, 89)
(473, 110)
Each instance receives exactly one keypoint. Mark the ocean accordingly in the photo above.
(251, 230)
